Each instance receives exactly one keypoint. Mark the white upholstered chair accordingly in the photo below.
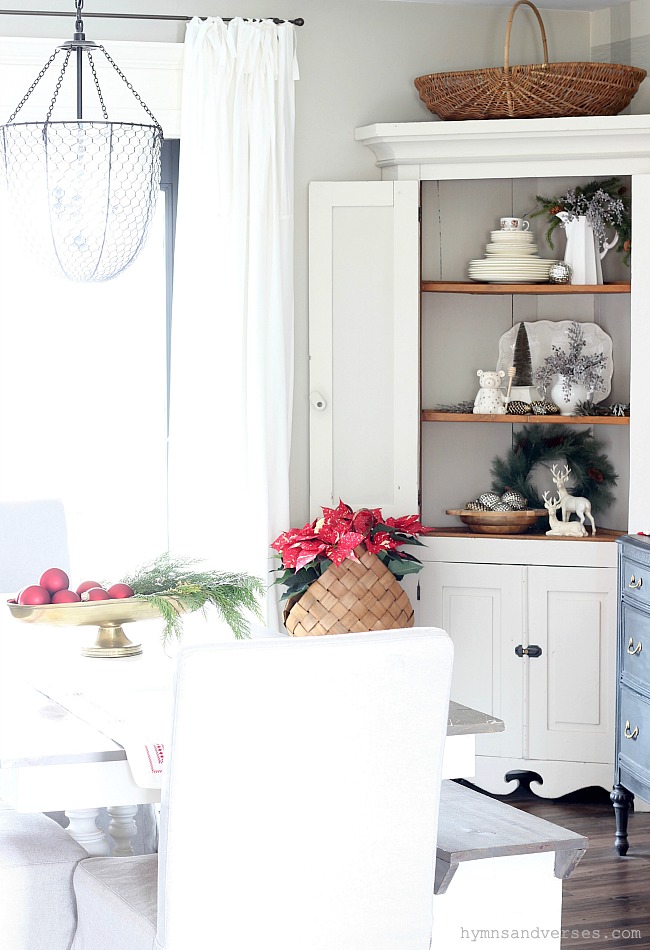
(300, 802)
(37, 861)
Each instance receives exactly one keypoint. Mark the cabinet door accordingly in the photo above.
(481, 608)
(364, 345)
(571, 686)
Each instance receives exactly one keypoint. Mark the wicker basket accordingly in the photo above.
(356, 596)
(530, 92)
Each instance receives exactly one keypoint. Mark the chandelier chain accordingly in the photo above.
(97, 87)
(32, 87)
(57, 88)
(130, 87)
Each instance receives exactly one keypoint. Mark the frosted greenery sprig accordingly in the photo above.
(604, 203)
(175, 586)
(573, 365)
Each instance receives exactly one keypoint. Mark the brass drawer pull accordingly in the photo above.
(628, 734)
(631, 649)
(635, 583)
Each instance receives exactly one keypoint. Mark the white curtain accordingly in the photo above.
(232, 328)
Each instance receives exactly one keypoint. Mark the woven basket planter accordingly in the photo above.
(350, 598)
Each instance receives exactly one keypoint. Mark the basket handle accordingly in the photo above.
(506, 51)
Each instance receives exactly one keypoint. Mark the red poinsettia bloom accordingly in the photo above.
(408, 524)
(308, 552)
(335, 536)
(381, 541)
(344, 547)
(336, 515)
(365, 519)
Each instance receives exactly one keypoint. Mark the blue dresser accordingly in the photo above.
(632, 755)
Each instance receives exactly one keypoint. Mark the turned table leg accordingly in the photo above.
(622, 801)
(83, 828)
(122, 828)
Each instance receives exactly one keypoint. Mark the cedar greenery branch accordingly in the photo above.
(175, 586)
(603, 202)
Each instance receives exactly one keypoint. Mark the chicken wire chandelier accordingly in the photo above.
(82, 192)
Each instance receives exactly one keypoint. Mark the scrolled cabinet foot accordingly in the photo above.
(622, 801)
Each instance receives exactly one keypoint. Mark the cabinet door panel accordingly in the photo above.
(364, 345)
(480, 607)
(571, 686)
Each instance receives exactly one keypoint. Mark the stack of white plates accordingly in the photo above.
(510, 270)
(511, 257)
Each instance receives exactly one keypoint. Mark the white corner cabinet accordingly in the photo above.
(534, 632)
(397, 330)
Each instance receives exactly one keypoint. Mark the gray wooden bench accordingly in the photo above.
(499, 870)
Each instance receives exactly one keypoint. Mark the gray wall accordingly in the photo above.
(621, 34)
(357, 61)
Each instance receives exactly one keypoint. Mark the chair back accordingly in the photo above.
(301, 794)
(33, 537)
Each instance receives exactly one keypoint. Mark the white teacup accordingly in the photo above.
(514, 224)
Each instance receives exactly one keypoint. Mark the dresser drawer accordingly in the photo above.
(635, 581)
(634, 732)
(635, 647)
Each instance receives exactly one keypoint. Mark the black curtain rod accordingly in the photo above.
(134, 16)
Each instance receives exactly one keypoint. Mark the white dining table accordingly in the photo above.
(53, 760)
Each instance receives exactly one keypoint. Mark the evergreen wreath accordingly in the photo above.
(592, 471)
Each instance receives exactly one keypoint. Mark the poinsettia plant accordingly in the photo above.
(307, 552)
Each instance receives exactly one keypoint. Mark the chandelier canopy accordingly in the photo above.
(82, 192)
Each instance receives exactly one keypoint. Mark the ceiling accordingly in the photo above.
(542, 4)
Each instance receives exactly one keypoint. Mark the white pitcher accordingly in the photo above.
(582, 251)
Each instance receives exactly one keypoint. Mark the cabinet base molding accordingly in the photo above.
(558, 778)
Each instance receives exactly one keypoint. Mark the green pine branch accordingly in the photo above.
(177, 586)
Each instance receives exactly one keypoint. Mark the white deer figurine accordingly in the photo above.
(572, 503)
(561, 529)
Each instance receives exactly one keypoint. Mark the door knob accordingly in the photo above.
(318, 402)
(532, 650)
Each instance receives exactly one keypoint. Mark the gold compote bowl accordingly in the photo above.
(107, 615)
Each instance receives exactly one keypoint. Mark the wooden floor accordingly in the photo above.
(605, 893)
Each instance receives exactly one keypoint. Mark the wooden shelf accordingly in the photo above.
(470, 287)
(429, 415)
(602, 534)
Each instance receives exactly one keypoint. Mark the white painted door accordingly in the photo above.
(481, 608)
(364, 285)
(571, 686)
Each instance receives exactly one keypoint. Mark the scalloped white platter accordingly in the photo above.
(543, 334)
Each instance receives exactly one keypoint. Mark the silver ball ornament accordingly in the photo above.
(560, 273)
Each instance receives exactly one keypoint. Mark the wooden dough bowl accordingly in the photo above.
(498, 522)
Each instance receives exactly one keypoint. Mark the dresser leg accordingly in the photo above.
(622, 801)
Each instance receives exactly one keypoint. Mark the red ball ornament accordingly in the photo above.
(86, 585)
(65, 597)
(34, 596)
(54, 579)
(95, 593)
(118, 591)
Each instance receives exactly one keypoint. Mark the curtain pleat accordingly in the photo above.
(232, 325)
